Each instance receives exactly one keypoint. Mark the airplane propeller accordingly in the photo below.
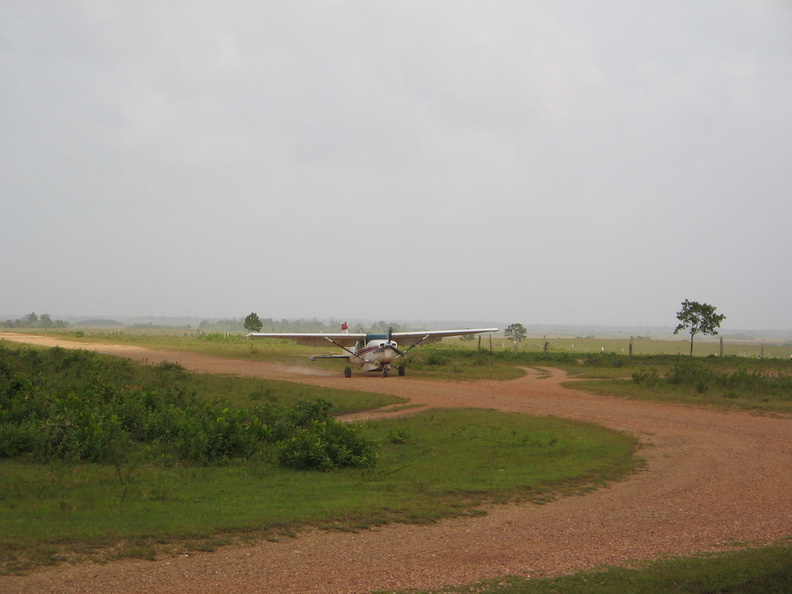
(390, 341)
(389, 345)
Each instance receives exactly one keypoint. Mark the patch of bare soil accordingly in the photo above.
(714, 480)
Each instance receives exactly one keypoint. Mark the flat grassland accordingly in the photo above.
(234, 344)
(714, 480)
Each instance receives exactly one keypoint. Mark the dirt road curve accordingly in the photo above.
(713, 479)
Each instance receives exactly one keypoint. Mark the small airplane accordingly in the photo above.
(370, 351)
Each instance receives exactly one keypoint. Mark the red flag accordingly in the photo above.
(344, 326)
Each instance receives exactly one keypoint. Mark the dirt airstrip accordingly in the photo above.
(713, 480)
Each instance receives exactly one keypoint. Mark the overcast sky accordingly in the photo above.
(537, 162)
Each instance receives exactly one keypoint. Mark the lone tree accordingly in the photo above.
(699, 318)
(516, 332)
(253, 323)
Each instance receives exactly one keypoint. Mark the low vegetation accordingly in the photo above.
(728, 382)
(97, 451)
(82, 407)
(751, 571)
(167, 503)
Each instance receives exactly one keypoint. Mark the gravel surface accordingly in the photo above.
(714, 480)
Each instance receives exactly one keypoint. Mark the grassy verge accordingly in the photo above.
(687, 395)
(762, 385)
(745, 347)
(457, 360)
(433, 465)
(232, 390)
(425, 472)
(755, 384)
(751, 571)
(99, 451)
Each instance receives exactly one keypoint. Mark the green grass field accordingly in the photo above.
(702, 347)
(236, 344)
(78, 511)
(431, 465)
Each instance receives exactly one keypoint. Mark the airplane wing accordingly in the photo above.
(427, 336)
(348, 340)
(315, 339)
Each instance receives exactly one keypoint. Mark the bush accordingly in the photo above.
(434, 358)
(691, 373)
(604, 360)
(79, 406)
(704, 376)
(647, 378)
(326, 445)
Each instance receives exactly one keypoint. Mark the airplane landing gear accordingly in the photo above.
(347, 372)
(386, 370)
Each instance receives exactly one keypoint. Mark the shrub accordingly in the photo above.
(647, 378)
(692, 373)
(326, 445)
(604, 360)
(78, 406)
(704, 376)
(436, 359)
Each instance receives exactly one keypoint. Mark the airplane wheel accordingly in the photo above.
(385, 372)
(401, 370)
(347, 372)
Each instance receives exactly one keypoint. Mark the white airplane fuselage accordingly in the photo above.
(378, 354)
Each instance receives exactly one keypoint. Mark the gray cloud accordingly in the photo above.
(539, 162)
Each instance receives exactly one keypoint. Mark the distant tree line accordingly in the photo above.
(300, 325)
(268, 325)
(33, 321)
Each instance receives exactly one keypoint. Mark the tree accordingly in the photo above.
(516, 332)
(698, 318)
(253, 323)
